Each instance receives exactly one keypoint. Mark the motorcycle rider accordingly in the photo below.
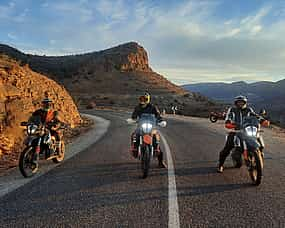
(145, 106)
(50, 119)
(235, 116)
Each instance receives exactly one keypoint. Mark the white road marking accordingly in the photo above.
(173, 210)
(15, 180)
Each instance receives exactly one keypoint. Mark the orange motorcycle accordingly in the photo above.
(146, 129)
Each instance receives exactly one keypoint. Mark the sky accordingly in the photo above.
(187, 41)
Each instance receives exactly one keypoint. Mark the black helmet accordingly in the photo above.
(46, 102)
(241, 98)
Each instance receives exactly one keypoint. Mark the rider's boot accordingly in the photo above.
(220, 168)
(35, 161)
(57, 148)
(134, 149)
(161, 163)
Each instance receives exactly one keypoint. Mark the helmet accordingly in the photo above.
(144, 99)
(46, 102)
(262, 112)
(240, 99)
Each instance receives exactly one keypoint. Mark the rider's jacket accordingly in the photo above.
(47, 116)
(236, 115)
(149, 109)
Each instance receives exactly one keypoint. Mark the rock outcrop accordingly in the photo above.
(21, 92)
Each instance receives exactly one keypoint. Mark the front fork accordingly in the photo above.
(247, 158)
(38, 150)
(141, 144)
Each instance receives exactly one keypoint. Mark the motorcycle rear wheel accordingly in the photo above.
(213, 118)
(256, 168)
(27, 168)
(145, 161)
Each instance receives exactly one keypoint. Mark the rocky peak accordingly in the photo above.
(128, 57)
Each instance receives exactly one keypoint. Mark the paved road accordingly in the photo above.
(100, 187)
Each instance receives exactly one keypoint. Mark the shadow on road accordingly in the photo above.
(208, 189)
(93, 186)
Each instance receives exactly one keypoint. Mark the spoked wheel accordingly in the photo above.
(213, 118)
(256, 167)
(26, 165)
(61, 153)
(145, 161)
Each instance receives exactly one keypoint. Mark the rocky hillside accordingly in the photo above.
(21, 92)
(113, 77)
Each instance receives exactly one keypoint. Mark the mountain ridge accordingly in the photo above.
(112, 77)
(262, 94)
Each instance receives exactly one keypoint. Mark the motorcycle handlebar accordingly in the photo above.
(162, 123)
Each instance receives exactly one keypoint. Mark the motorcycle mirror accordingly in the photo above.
(24, 123)
(162, 124)
(130, 121)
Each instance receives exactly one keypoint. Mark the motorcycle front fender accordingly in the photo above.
(252, 144)
(147, 139)
(31, 141)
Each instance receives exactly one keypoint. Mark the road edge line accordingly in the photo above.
(173, 209)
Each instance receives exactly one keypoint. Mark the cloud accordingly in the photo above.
(256, 29)
(184, 39)
(52, 42)
(12, 36)
(45, 5)
(231, 33)
(6, 10)
(67, 9)
(20, 18)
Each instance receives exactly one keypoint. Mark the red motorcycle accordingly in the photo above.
(215, 116)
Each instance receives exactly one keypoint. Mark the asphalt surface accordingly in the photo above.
(101, 186)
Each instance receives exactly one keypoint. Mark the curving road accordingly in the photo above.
(101, 186)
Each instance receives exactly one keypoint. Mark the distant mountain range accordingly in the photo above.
(263, 94)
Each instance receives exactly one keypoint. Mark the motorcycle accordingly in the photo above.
(39, 141)
(215, 116)
(249, 145)
(146, 130)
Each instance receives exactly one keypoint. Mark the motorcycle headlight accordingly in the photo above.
(146, 127)
(251, 131)
(31, 129)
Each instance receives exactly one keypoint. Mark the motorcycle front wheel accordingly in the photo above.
(145, 161)
(256, 167)
(26, 165)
